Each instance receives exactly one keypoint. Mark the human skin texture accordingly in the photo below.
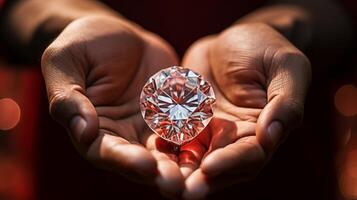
(261, 81)
(95, 63)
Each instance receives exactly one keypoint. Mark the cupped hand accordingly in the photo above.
(94, 71)
(260, 80)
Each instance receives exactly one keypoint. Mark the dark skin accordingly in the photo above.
(258, 101)
(102, 99)
(95, 69)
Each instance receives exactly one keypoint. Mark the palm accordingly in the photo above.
(115, 94)
(120, 119)
(94, 73)
(231, 123)
(233, 129)
(93, 92)
(260, 81)
(232, 132)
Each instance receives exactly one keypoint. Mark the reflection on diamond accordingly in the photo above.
(177, 104)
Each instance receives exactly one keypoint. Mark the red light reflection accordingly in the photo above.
(10, 114)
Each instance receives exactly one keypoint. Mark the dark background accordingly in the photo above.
(38, 161)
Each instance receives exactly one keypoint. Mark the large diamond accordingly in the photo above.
(177, 104)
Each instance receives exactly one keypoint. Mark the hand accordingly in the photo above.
(94, 72)
(260, 80)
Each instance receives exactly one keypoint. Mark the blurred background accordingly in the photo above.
(318, 161)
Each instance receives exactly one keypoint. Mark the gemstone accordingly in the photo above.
(177, 104)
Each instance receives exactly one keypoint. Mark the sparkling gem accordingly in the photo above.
(177, 104)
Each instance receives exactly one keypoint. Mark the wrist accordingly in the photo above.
(54, 23)
(32, 24)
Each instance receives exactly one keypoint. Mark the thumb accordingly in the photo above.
(76, 113)
(289, 75)
(65, 83)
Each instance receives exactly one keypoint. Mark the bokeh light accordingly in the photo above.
(10, 114)
(346, 100)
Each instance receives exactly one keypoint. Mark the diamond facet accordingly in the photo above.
(177, 104)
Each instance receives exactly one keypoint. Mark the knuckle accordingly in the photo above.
(285, 56)
(58, 102)
(56, 54)
(47, 55)
(290, 57)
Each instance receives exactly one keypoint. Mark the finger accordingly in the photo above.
(199, 185)
(236, 67)
(117, 154)
(65, 82)
(225, 132)
(237, 162)
(244, 158)
(124, 128)
(196, 186)
(196, 58)
(153, 142)
(169, 179)
(289, 77)
(191, 154)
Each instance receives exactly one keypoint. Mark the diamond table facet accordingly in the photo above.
(177, 104)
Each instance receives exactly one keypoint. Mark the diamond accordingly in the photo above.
(177, 104)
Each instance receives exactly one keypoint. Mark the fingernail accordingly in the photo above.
(77, 126)
(186, 171)
(275, 131)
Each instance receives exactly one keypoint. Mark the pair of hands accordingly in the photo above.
(94, 72)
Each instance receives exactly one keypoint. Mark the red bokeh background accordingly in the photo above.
(38, 161)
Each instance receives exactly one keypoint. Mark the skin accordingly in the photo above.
(95, 63)
(260, 80)
(95, 94)
(258, 99)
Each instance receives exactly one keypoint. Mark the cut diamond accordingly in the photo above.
(177, 104)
